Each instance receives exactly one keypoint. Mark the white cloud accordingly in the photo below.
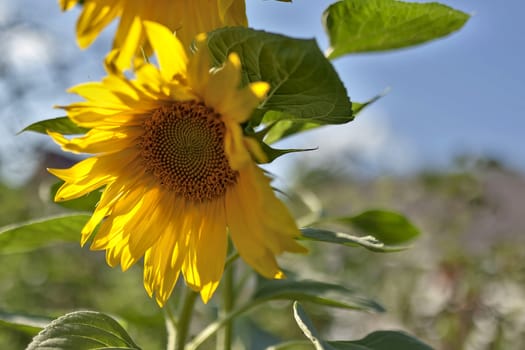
(369, 139)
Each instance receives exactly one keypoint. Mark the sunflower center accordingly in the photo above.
(183, 147)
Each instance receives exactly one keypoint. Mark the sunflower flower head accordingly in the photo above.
(177, 173)
(186, 18)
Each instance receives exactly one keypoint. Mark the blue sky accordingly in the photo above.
(462, 94)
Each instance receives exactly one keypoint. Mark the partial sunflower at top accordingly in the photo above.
(186, 18)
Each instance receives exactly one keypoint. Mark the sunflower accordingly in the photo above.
(186, 18)
(176, 171)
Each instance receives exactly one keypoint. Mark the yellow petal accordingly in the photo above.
(223, 84)
(199, 66)
(67, 4)
(207, 248)
(250, 206)
(129, 35)
(233, 12)
(89, 174)
(241, 107)
(94, 17)
(234, 147)
(170, 53)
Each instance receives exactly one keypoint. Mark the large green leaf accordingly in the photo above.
(317, 292)
(382, 340)
(376, 25)
(305, 88)
(83, 330)
(62, 125)
(23, 323)
(388, 227)
(41, 233)
(307, 327)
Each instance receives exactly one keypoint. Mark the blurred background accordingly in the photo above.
(444, 147)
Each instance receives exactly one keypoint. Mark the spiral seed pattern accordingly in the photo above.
(183, 147)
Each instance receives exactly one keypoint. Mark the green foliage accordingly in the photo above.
(307, 327)
(381, 340)
(355, 26)
(305, 93)
(41, 233)
(305, 88)
(317, 292)
(83, 330)
(30, 325)
(62, 125)
(386, 231)
(387, 226)
(368, 242)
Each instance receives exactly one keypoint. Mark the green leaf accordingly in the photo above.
(274, 153)
(62, 125)
(83, 330)
(317, 292)
(304, 86)
(358, 107)
(306, 325)
(84, 203)
(368, 242)
(377, 25)
(41, 233)
(285, 128)
(382, 340)
(23, 323)
(389, 227)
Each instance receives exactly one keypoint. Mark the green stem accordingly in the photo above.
(224, 338)
(289, 344)
(183, 324)
(171, 327)
(231, 259)
(212, 328)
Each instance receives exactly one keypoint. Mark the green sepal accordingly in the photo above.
(274, 153)
(270, 152)
(355, 26)
(62, 125)
(359, 106)
(83, 330)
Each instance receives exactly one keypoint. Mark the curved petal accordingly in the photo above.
(250, 205)
(95, 16)
(170, 53)
(223, 83)
(234, 147)
(204, 263)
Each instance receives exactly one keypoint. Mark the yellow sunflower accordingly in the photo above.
(177, 173)
(186, 18)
